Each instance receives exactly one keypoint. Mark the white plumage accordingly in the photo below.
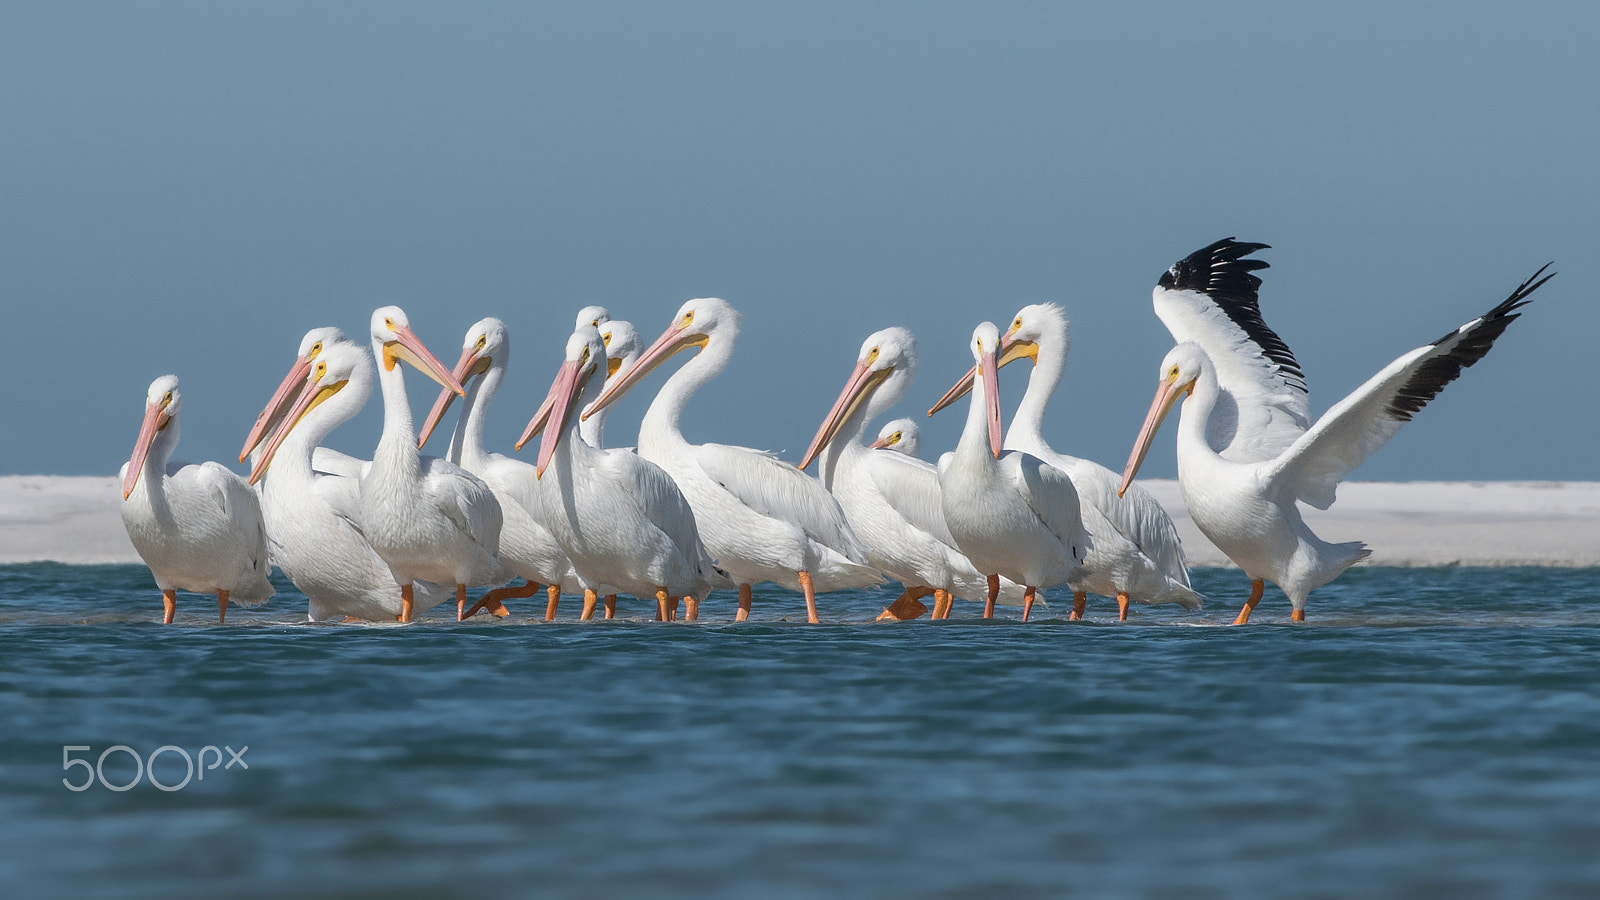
(198, 527)
(761, 518)
(620, 519)
(311, 514)
(1135, 553)
(429, 519)
(1246, 453)
(1010, 513)
(892, 500)
(526, 546)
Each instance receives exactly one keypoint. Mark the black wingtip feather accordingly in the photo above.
(1473, 341)
(1221, 272)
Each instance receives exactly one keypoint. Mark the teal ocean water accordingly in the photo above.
(1430, 732)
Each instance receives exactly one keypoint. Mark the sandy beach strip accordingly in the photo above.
(1494, 523)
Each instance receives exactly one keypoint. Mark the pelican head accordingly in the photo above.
(1180, 369)
(161, 403)
(1031, 325)
(697, 324)
(901, 436)
(310, 348)
(883, 354)
(592, 316)
(340, 365)
(393, 341)
(623, 345)
(985, 352)
(486, 344)
(586, 354)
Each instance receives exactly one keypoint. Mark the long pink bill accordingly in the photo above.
(658, 353)
(155, 419)
(409, 347)
(962, 386)
(537, 423)
(1166, 395)
(272, 414)
(447, 396)
(563, 395)
(856, 389)
(311, 396)
(990, 372)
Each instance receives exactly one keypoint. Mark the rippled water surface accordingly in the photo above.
(1428, 732)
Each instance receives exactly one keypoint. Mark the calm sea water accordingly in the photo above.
(1428, 732)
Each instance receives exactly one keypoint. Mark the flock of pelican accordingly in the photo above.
(1000, 518)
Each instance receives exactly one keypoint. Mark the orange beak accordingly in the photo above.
(536, 424)
(311, 396)
(860, 386)
(989, 370)
(1011, 350)
(1166, 395)
(155, 419)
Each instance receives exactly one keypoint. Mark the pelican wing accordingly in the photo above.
(465, 500)
(1209, 298)
(239, 504)
(1358, 425)
(663, 504)
(331, 462)
(1054, 500)
(911, 487)
(775, 488)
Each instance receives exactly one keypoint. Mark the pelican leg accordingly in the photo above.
(1122, 606)
(744, 604)
(492, 601)
(222, 607)
(811, 596)
(942, 601)
(692, 609)
(661, 604)
(1256, 587)
(908, 606)
(1078, 600)
(169, 603)
(672, 609)
(590, 599)
(1027, 602)
(611, 606)
(407, 601)
(461, 601)
(1298, 615)
(554, 592)
(994, 594)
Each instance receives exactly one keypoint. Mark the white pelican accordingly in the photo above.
(901, 436)
(198, 527)
(1134, 553)
(1012, 514)
(761, 518)
(1246, 450)
(619, 517)
(526, 545)
(311, 514)
(624, 345)
(429, 519)
(325, 459)
(890, 499)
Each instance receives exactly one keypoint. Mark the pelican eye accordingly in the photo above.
(483, 341)
(595, 324)
(894, 438)
(322, 369)
(687, 319)
(1016, 324)
(606, 339)
(167, 400)
(315, 349)
(1173, 372)
(873, 356)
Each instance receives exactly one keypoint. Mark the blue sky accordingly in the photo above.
(187, 188)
